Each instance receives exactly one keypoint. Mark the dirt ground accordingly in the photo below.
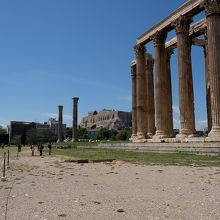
(48, 188)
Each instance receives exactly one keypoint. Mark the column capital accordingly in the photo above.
(182, 24)
(133, 69)
(159, 38)
(211, 7)
(75, 99)
(149, 61)
(140, 50)
(169, 52)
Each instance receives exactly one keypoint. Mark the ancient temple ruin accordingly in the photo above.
(106, 118)
(152, 116)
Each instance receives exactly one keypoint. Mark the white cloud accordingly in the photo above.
(201, 124)
(176, 109)
(55, 115)
(4, 122)
(176, 123)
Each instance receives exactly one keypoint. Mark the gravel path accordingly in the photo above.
(49, 188)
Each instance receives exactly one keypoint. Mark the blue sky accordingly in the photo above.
(53, 50)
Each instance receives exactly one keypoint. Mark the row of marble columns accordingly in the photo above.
(143, 112)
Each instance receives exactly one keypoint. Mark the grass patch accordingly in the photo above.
(182, 159)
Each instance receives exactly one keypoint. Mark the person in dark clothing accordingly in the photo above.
(19, 148)
(50, 148)
(32, 150)
(41, 147)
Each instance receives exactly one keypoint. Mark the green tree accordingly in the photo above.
(3, 130)
(69, 132)
(103, 134)
(124, 134)
(16, 139)
(31, 136)
(114, 135)
(82, 133)
(44, 135)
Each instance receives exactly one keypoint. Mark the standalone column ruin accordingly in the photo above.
(212, 10)
(60, 123)
(162, 123)
(150, 95)
(140, 71)
(134, 100)
(75, 119)
(186, 97)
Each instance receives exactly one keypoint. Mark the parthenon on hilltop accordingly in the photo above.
(153, 119)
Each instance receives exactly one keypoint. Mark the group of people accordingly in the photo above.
(40, 148)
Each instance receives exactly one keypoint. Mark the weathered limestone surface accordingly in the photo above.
(186, 97)
(169, 93)
(212, 10)
(60, 123)
(208, 95)
(143, 90)
(140, 72)
(110, 119)
(75, 119)
(134, 100)
(150, 95)
(161, 86)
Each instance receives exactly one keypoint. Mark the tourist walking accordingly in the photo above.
(19, 147)
(50, 148)
(32, 150)
(41, 147)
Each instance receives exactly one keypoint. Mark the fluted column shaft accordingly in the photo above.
(145, 94)
(212, 10)
(150, 95)
(140, 71)
(169, 94)
(161, 86)
(134, 100)
(208, 95)
(60, 123)
(186, 97)
(75, 119)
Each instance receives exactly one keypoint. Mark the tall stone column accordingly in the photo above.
(150, 95)
(60, 123)
(134, 100)
(212, 10)
(140, 107)
(162, 129)
(208, 95)
(186, 97)
(145, 95)
(169, 93)
(75, 119)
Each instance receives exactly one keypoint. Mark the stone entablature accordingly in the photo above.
(105, 118)
(191, 6)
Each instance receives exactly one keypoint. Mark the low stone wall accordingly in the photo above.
(193, 147)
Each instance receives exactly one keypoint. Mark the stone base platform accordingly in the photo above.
(189, 147)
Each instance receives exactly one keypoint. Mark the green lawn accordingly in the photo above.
(75, 151)
(140, 157)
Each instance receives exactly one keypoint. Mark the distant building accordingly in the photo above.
(53, 124)
(110, 119)
(18, 129)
